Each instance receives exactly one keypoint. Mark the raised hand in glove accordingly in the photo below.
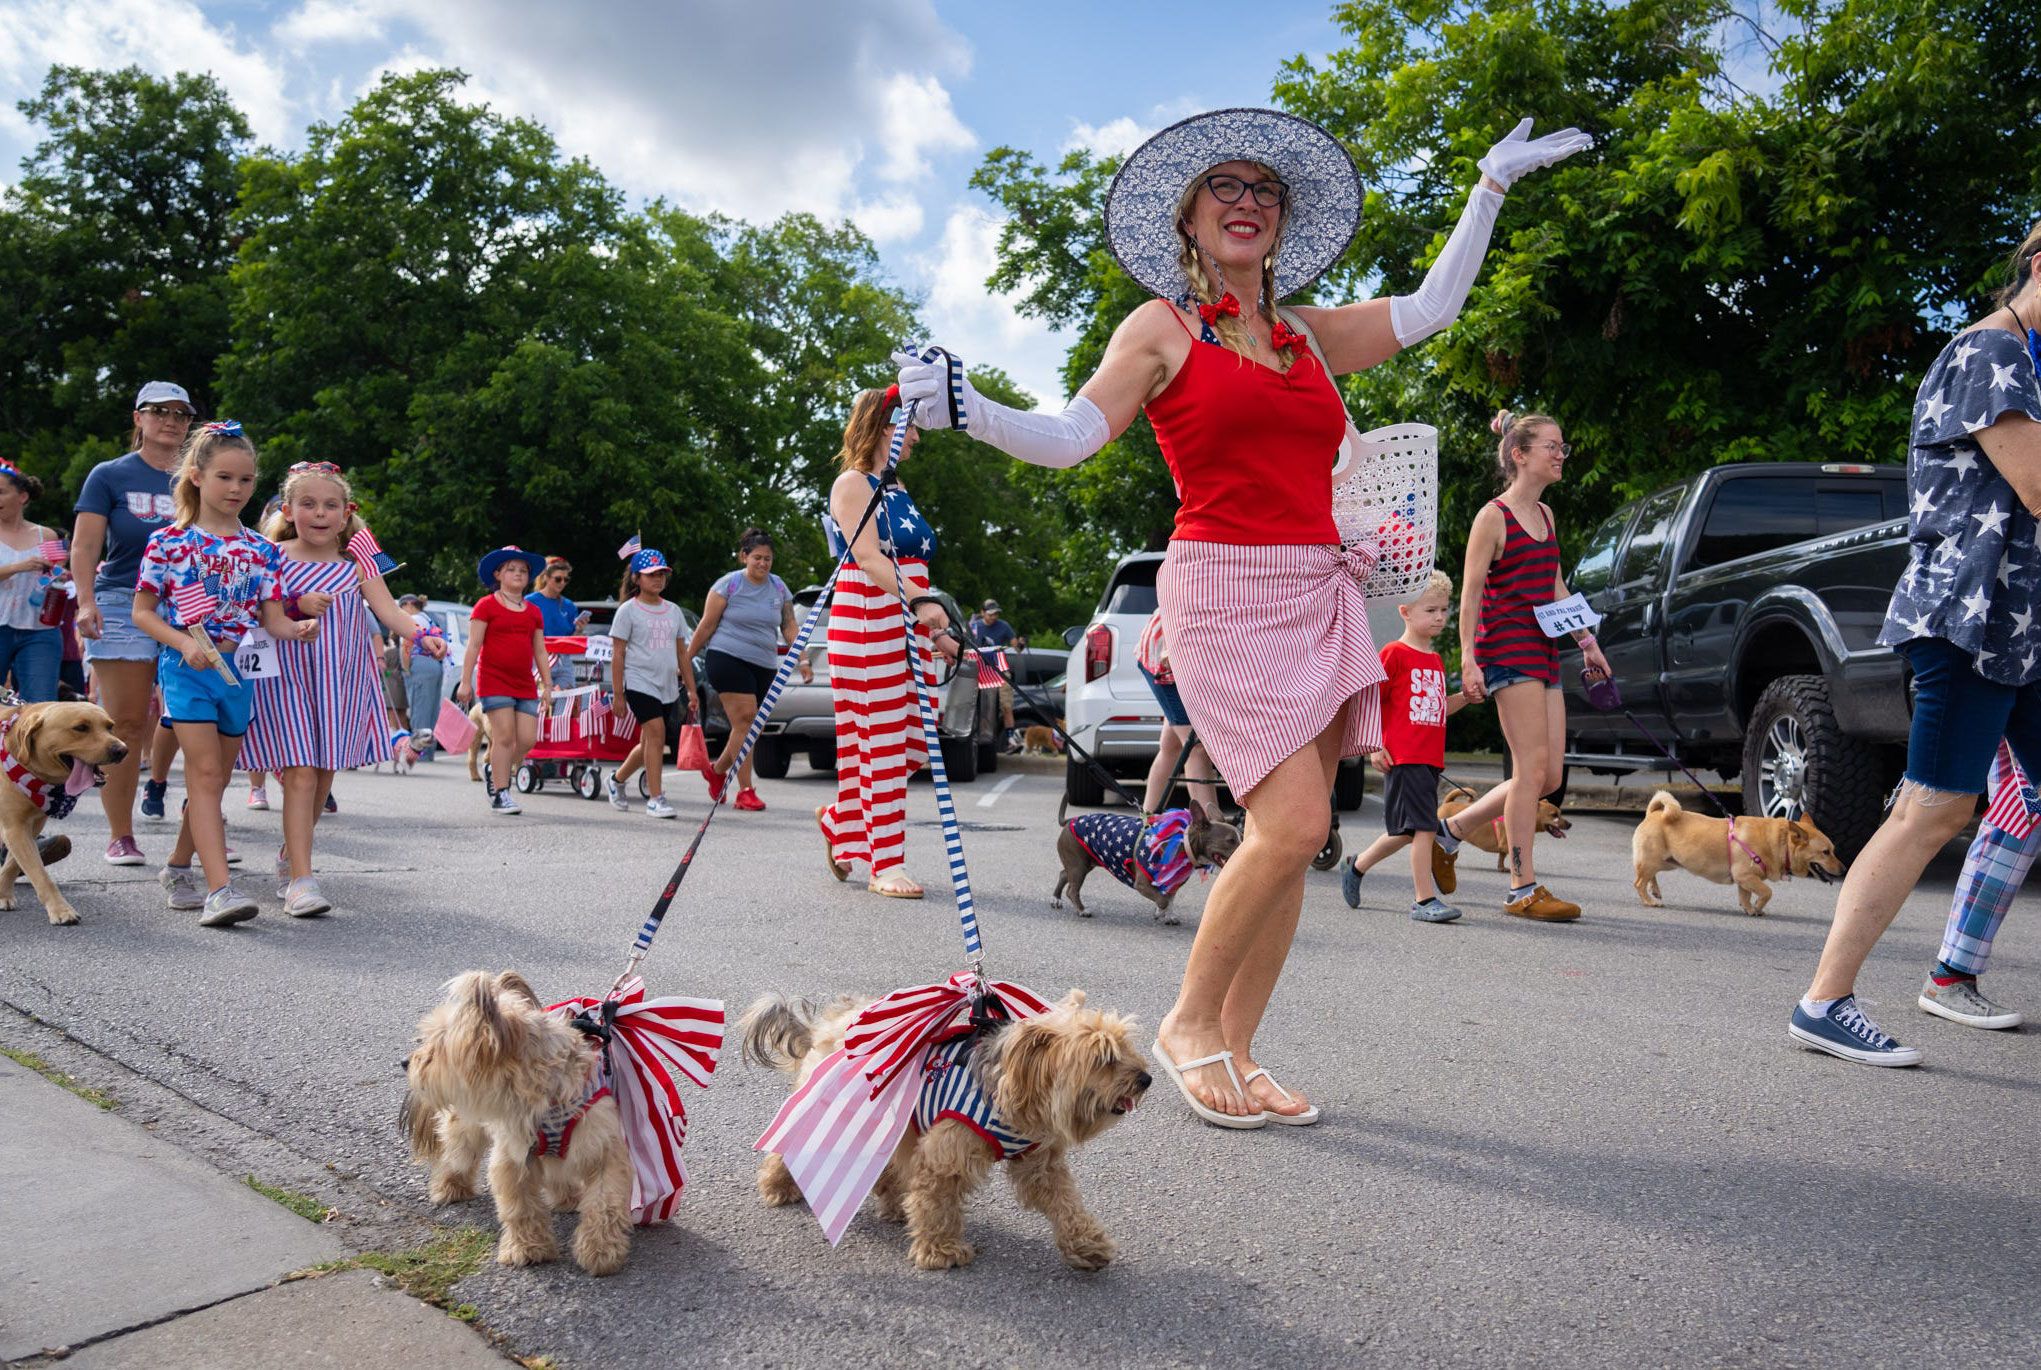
(1519, 152)
(933, 384)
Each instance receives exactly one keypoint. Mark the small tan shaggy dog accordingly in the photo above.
(1488, 836)
(1054, 1082)
(57, 750)
(494, 1072)
(1670, 838)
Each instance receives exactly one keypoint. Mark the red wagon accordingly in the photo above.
(583, 731)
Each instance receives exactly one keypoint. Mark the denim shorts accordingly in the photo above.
(1170, 701)
(119, 639)
(491, 703)
(200, 696)
(1959, 717)
(1497, 677)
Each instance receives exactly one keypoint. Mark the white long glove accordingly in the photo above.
(934, 383)
(1519, 152)
(1413, 318)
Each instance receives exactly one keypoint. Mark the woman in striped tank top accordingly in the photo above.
(1512, 568)
(323, 712)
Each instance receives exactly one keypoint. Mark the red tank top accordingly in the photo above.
(1520, 580)
(1251, 448)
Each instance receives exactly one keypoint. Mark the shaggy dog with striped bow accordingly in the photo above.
(494, 1074)
(1028, 1093)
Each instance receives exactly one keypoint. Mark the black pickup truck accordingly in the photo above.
(1740, 614)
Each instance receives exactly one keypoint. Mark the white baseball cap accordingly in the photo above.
(161, 392)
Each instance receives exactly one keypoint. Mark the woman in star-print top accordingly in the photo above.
(1964, 616)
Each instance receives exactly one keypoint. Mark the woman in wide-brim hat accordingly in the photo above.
(1222, 216)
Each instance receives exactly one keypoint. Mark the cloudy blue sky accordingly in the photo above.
(877, 110)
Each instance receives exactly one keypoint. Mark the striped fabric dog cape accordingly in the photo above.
(951, 1089)
(837, 1132)
(1118, 842)
(653, 1039)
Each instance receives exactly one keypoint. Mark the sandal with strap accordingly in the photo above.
(836, 867)
(1304, 1119)
(908, 891)
(1175, 1072)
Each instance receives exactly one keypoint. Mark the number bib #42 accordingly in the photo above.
(255, 658)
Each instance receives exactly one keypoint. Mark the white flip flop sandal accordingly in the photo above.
(1242, 1121)
(1304, 1119)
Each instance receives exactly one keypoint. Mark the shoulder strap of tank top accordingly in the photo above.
(1177, 314)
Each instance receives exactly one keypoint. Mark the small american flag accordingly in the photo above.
(372, 559)
(52, 551)
(635, 545)
(193, 602)
(2014, 801)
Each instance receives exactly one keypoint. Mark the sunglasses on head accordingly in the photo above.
(316, 468)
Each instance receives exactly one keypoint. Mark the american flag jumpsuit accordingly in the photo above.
(878, 721)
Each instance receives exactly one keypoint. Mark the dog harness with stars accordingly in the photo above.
(53, 800)
(1118, 842)
(555, 1131)
(951, 1089)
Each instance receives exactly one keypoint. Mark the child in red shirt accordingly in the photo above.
(1415, 707)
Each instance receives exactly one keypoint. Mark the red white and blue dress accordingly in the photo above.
(326, 707)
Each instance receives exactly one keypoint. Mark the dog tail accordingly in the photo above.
(777, 1032)
(1662, 802)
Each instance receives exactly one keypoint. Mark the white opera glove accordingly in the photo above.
(1413, 318)
(934, 383)
(1519, 152)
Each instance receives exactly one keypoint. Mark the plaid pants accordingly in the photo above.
(1993, 870)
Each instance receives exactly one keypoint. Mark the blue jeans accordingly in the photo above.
(1959, 716)
(32, 655)
(422, 680)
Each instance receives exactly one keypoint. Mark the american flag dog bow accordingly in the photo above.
(650, 1042)
(837, 1132)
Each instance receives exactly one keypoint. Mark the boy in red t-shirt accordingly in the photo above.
(1415, 707)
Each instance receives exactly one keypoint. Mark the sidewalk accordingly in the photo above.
(114, 1241)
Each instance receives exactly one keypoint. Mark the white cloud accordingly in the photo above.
(916, 119)
(160, 36)
(320, 22)
(1117, 137)
(983, 328)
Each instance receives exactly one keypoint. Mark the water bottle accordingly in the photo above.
(52, 600)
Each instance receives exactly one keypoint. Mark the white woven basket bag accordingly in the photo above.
(1386, 490)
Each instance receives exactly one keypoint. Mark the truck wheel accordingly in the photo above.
(960, 759)
(1080, 786)
(988, 757)
(769, 757)
(822, 755)
(1798, 760)
(1348, 784)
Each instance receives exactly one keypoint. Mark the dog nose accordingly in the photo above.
(1143, 1080)
(120, 751)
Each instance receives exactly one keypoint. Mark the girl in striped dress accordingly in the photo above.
(1512, 568)
(878, 720)
(323, 711)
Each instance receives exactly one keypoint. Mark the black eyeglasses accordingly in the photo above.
(164, 411)
(1228, 190)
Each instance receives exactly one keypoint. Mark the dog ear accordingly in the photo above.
(1073, 1000)
(1796, 836)
(30, 731)
(1199, 818)
(510, 982)
(1025, 1092)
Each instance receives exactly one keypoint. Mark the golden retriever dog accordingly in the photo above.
(63, 746)
(1488, 837)
(1670, 838)
(478, 746)
(1054, 1082)
(495, 1074)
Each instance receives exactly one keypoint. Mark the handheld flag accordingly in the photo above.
(52, 551)
(372, 559)
(193, 604)
(635, 545)
(452, 728)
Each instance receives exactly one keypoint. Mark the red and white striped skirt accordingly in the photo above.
(879, 742)
(1268, 645)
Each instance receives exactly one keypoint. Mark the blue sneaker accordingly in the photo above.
(1845, 1031)
(153, 792)
(1434, 911)
(1350, 885)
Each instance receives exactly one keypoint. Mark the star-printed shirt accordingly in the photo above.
(903, 532)
(240, 572)
(1413, 706)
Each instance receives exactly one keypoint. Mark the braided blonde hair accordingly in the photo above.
(1232, 332)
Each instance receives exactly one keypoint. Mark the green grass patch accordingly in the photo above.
(98, 1098)
(430, 1272)
(306, 1207)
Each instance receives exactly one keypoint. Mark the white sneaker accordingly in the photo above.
(258, 797)
(616, 795)
(184, 890)
(657, 807)
(226, 905)
(303, 900)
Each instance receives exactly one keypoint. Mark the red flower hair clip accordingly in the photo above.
(1283, 336)
(1228, 307)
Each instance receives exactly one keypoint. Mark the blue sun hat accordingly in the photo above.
(1324, 203)
(651, 559)
(493, 562)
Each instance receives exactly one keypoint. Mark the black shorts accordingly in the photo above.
(645, 708)
(733, 675)
(1410, 800)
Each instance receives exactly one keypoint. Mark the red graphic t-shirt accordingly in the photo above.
(1413, 706)
(506, 664)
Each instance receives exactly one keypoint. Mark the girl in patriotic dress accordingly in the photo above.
(219, 580)
(323, 710)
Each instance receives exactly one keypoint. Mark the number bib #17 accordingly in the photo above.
(1566, 616)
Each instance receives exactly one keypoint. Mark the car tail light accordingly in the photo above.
(1098, 651)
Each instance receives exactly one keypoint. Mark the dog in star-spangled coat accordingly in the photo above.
(1154, 858)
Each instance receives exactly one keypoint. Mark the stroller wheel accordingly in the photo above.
(528, 780)
(1328, 855)
(588, 782)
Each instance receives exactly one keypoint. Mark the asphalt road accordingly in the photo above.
(1587, 1144)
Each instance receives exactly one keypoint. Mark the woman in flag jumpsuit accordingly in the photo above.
(879, 741)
